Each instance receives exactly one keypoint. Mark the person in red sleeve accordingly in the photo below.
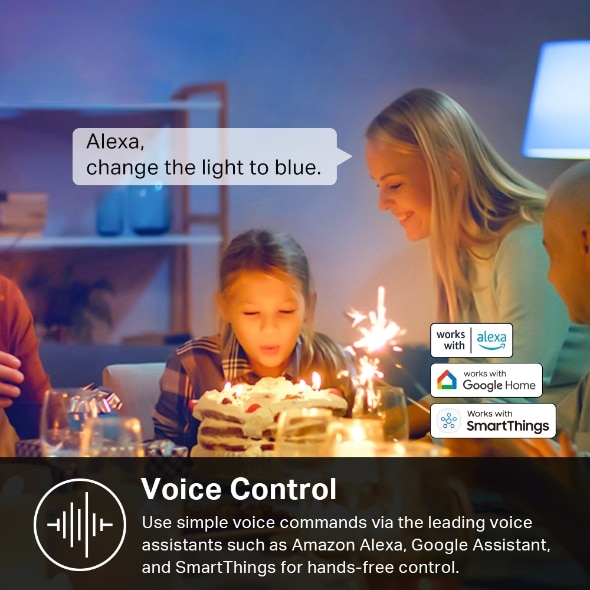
(23, 380)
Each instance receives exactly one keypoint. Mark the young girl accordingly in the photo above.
(439, 176)
(266, 302)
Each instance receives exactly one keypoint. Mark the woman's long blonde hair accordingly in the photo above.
(490, 198)
(278, 254)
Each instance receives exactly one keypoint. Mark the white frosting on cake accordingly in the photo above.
(253, 409)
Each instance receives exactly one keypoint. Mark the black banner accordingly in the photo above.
(411, 523)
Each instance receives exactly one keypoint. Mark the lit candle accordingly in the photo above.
(316, 381)
(355, 438)
(358, 433)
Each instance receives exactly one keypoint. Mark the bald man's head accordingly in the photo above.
(571, 189)
(566, 235)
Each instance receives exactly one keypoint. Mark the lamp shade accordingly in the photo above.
(558, 124)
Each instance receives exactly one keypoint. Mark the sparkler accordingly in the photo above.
(379, 333)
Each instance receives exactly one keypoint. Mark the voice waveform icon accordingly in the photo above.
(78, 525)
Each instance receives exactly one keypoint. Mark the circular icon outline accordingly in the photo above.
(454, 421)
(80, 569)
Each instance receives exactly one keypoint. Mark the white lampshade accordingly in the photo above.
(558, 124)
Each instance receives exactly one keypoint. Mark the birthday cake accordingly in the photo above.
(242, 419)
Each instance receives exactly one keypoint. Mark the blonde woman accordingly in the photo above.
(438, 174)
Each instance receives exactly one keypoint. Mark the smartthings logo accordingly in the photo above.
(471, 340)
(449, 420)
(492, 420)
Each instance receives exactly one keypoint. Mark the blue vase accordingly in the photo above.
(109, 212)
(150, 209)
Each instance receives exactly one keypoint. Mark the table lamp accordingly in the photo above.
(558, 124)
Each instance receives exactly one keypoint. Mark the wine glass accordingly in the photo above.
(302, 432)
(111, 435)
(387, 404)
(392, 411)
(62, 417)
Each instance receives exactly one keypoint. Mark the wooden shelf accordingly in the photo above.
(43, 243)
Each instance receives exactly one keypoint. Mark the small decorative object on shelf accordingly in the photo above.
(150, 210)
(110, 211)
(22, 213)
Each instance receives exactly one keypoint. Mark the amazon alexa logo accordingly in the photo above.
(491, 341)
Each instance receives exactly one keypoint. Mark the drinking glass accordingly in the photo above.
(112, 436)
(302, 432)
(62, 418)
(387, 404)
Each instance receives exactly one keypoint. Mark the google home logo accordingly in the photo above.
(446, 380)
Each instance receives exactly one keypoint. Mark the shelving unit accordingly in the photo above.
(189, 218)
(43, 126)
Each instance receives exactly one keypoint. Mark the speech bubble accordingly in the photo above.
(206, 156)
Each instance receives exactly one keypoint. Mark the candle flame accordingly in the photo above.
(357, 434)
(316, 381)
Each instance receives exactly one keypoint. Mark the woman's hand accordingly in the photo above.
(10, 378)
